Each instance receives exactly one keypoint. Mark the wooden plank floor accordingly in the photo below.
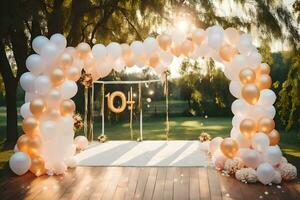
(141, 183)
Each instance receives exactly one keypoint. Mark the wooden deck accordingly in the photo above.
(141, 183)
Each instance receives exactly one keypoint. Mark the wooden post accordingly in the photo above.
(131, 110)
(102, 108)
(167, 105)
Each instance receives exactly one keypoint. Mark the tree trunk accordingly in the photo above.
(12, 115)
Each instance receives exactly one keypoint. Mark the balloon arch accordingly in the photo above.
(51, 83)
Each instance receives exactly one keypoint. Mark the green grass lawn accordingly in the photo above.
(181, 128)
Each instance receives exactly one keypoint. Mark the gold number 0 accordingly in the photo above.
(111, 98)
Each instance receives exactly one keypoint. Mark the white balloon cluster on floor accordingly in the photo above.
(50, 83)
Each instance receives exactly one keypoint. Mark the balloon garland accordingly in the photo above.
(50, 85)
(110, 103)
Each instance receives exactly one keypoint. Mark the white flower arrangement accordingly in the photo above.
(232, 165)
(288, 171)
(246, 175)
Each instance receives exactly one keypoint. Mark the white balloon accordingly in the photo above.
(25, 110)
(68, 89)
(59, 41)
(267, 98)
(250, 158)
(244, 45)
(215, 40)
(254, 59)
(166, 58)
(119, 65)
(150, 45)
(35, 64)
(232, 36)
(235, 88)
(273, 155)
(114, 50)
(242, 140)
(81, 142)
(71, 162)
(50, 53)
(43, 85)
(38, 43)
(48, 130)
(238, 107)
(228, 70)
(215, 144)
(99, 52)
(265, 173)
(19, 163)
(177, 36)
(67, 123)
(219, 159)
(137, 48)
(27, 82)
(29, 96)
(260, 142)
(103, 70)
(238, 63)
(53, 100)
(277, 178)
(270, 112)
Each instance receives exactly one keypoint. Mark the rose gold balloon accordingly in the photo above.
(67, 107)
(176, 50)
(250, 93)
(57, 76)
(37, 165)
(229, 147)
(53, 98)
(73, 73)
(187, 47)
(263, 68)
(83, 50)
(89, 64)
(248, 128)
(129, 62)
(53, 114)
(66, 60)
(30, 124)
(247, 75)
(198, 36)
(154, 60)
(37, 107)
(265, 125)
(227, 52)
(34, 144)
(23, 143)
(274, 137)
(126, 51)
(164, 41)
(264, 81)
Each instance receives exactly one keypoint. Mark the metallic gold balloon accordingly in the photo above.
(265, 125)
(198, 36)
(248, 128)
(57, 76)
(30, 124)
(83, 49)
(176, 50)
(247, 75)
(229, 147)
(227, 52)
(250, 93)
(263, 68)
(37, 107)
(34, 144)
(23, 143)
(53, 114)
(164, 41)
(154, 60)
(67, 107)
(73, 73)
(274, 137)
(66, 60)
(187, 47)
(37, 165)
(264, 81)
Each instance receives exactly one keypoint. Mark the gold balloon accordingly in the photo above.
(23, 143)
(57, 76)
(229, 147)
(176, 50)
(274, 137)
(187, 47)
(250, 93)
(198, 36)
(126, 51)
(154, 60)
(227, 52)
(30, 124)
(265, 125)
(73, 73)
(83, 49)
(66, 60)
(67, 107)
(34, 144)
(247, 75)
(37, 165)
(129, 61)
(263, 68)
(264, 81)
(37, 107)
(248, 127)
(164, 41)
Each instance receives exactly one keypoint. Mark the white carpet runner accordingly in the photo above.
(146, 153)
